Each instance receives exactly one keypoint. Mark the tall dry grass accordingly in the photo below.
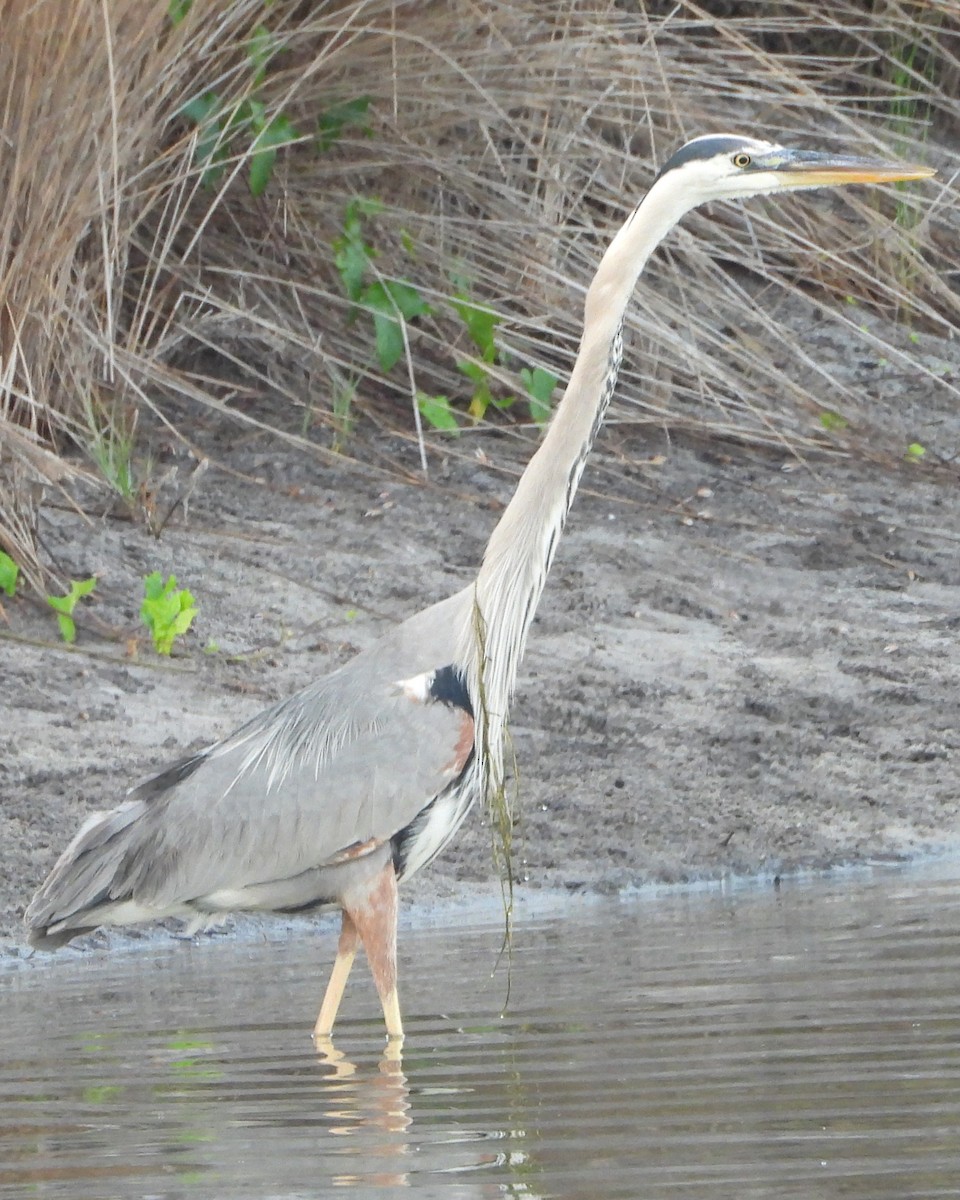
(507, 140)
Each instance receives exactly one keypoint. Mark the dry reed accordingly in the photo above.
(506, 140)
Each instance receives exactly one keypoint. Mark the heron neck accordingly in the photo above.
(521, 547)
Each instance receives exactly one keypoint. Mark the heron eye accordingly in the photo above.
(741, 160)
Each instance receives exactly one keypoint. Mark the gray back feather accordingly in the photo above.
(349, 760)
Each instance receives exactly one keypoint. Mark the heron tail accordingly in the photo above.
(87, 877)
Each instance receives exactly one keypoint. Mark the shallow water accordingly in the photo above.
(753, 1044)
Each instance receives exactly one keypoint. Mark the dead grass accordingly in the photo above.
(507, 140)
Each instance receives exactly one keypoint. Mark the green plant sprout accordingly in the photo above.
(344, 394)
(388, 300)
(833, 422)
(111, 446)
(9, 571)
(539, 385)
(915, 452)
(438, 413)
(910, 110)
(64, 606)
(217, 130)
(218, 125)
(269, 137)
(393, 302)
(338, 117)
(481, 325)
(167, 611)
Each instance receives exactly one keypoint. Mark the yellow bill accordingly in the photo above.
(807, 168)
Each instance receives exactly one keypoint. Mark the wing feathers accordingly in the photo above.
(300, 788)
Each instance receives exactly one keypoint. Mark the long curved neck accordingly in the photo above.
(521, 547)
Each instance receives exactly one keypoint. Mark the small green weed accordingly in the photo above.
(481, 325)
(912, 72)
(111, 436)
(64, 606)
(112, 451)
(9, 571)
(539, 385)
(394, 302)
(833, 422)
(390, 301)
(344, 394)
(167, 611)
(339, 117)
(910, 111)
(915, 452)
(219, 126)
(437, 412)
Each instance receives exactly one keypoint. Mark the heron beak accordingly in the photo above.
(806, 168)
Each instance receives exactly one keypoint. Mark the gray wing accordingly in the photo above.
(344, 765)
(281, 797)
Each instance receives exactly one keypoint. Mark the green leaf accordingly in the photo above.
(480, 323)
(279, 132)
(167, 611)
(352, 255)
(261, 168)
(369, 206)
(8, 574)
(351, 259)
(332, 123)
(436, 411)
(204, 111)
(178, 9)
(64, 606)
(389, 341)
(406, 297)
(251, 113)
(915, 451)
(482, 396)
(200, 108)
(539, 385)
(83, 588)
(833, 422)
(388, 297)
(480, 400)
(473, 370)
(261, 47)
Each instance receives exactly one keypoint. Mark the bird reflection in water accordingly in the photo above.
(361, 1103)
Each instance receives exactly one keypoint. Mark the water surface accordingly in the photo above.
(759, 1043)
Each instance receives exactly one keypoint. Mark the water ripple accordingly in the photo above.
(800, 1044)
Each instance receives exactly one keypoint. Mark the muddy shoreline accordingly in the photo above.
(743, 663)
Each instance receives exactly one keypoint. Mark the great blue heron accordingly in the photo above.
(332, 796)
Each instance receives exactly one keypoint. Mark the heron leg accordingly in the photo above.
(375, 918)
(346, 952)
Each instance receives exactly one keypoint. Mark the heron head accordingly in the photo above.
(726, 166)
